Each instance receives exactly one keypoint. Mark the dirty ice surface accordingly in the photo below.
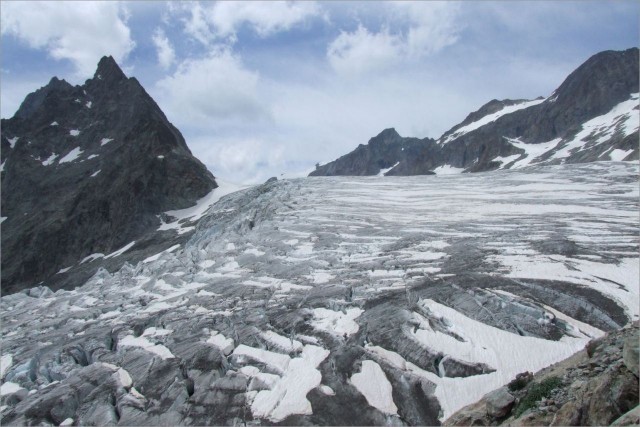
(296, 298)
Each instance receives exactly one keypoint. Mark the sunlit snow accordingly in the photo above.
(375, 387)
(383, 171)
(490, 118)
(619, 155)
(70, 156)
(121, 250)
(447, 170)
(49, 161)
(199, 209)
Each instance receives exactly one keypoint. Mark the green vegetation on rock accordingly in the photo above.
(536, 392)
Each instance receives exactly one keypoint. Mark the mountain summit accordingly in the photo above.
(86, 170)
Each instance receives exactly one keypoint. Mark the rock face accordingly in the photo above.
(87, 170)
(593, 115)
(594, 387)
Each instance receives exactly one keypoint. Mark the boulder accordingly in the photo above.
(499, 403)
(630, 354)
(631, 418)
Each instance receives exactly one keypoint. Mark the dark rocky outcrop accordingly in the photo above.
(597, 386)
(383, 151)
(88, 169)
(592, 90)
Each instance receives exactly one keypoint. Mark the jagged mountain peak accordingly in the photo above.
(109, 70)
(56, 83)
(87, 170)
(35, 100)
(387, 136)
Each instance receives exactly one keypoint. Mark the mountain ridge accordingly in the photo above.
(505, 134)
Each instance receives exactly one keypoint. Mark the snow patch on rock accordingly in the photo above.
(337, 322)
(71, 156)
(375, 387)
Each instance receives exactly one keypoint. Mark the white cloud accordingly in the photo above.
(196, 25)
(213, 90)
(81, 32)
(433, 27)
(222, 20)
(424, 28)
(247, 160)
(165, 51)
(265, 18)
(359, 51)
(14, 90)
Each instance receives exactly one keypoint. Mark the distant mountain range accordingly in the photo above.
(86, 171)
(593, 115)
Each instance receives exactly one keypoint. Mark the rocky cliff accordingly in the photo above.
(86, 170)
(592, 115)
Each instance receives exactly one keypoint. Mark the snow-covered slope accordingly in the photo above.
(337, 301)
(594, 135)
(489, 118)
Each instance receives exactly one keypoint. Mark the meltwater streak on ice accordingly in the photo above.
(316, 283)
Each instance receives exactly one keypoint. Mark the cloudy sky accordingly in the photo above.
(261, 89)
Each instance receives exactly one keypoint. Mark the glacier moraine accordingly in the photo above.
(343, 300)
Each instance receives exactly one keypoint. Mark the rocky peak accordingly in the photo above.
(609, 74)
(87, 170)
(108, 70)
(385, 140)
(58, 84)
(603, 81)
(387, 134)
(34, 101)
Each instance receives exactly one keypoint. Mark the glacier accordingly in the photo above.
(292, 297)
